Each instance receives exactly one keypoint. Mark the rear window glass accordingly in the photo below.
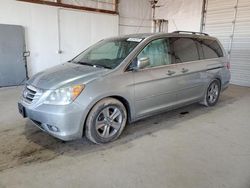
(183, 50)
(211, 49)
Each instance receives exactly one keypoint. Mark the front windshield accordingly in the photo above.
(107, 53)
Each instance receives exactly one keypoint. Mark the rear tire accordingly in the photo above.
(212, 94)
(106, 121)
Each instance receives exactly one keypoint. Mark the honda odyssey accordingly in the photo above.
(124, 79)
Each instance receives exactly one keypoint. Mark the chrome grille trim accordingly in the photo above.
(31, 94)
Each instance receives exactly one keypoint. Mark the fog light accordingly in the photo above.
(53, 128)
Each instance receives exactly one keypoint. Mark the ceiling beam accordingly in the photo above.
(58, 3)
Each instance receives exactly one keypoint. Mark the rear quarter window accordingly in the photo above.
(210, 48)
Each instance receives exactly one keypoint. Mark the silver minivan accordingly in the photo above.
(123, 79)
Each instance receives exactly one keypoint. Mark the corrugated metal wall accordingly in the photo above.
(229, 20)
(240, 52)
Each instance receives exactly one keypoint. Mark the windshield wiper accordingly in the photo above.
(102, 66)
(85, 63)
(93, 65)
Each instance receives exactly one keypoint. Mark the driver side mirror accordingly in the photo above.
(143, 62)
(139, 64)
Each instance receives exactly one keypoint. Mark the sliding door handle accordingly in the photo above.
(170, 72)
(184, 70)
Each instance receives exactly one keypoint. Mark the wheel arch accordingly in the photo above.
(125, 103)
(219, 79)
(117, 97)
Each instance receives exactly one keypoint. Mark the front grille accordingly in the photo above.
(31, 94)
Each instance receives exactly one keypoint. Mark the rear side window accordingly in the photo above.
(183, 50)
(210, 48)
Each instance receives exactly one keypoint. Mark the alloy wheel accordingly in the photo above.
(213, 92)
(108, 122)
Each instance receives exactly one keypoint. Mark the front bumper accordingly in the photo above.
(64, 122)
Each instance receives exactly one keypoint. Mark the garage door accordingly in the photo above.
(229, 20)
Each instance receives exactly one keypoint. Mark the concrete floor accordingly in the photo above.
(204, 147)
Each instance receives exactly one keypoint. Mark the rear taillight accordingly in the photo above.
(227, 65)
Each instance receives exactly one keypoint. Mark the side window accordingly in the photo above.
(183, 50)
(211, 49)
(199, 48)
(158, 53)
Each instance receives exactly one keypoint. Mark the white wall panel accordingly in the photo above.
(135, 16)
(181, 14)
(40, 29)
(101, 4)
(78, 30)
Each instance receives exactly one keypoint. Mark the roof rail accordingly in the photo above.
(191, 32)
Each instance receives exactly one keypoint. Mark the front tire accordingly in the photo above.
(106, 121)
(212, 94)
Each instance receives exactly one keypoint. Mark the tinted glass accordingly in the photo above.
(183, 50)
(211, 49)
(107, 53)
(158, 53)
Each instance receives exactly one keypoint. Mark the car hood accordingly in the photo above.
(64, 74)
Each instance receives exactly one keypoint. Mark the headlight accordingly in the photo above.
(63, 96)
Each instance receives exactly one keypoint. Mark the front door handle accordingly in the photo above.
(170, 72)
(184, 70)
